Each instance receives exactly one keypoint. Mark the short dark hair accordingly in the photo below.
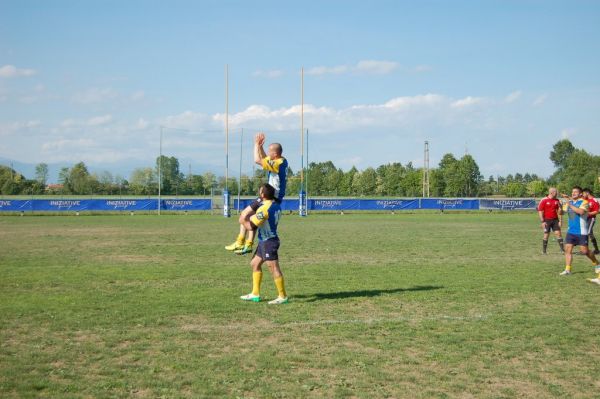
(578, 188)
(587, 190)
(278, 148)
(268, 191)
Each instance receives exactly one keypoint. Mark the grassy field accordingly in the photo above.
(404, 306)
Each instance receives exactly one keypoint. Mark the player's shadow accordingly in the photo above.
(363, 293)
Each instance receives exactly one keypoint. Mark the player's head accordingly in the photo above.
(275, 150)
(552, 192)
(587, 193)
(266, 191)
(576, 192)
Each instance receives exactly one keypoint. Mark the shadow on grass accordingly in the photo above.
(363, 293)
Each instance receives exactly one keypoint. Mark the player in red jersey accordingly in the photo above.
(592, 212)
(550, 213)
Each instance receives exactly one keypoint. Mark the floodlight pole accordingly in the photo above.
(159, 166)
(302, 194)
(226, 211)
(240, 178)
(307, 167)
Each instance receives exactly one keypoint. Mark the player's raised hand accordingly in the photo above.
(259, 138)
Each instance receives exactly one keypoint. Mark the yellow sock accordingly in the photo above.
(256, 280)
(568, 267)
(240, 239)
(280, 287)
(249, 243)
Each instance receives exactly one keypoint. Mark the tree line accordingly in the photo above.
(453, 177)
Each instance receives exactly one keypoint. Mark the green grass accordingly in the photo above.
(408, 306)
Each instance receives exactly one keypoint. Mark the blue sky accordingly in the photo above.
(92, 81)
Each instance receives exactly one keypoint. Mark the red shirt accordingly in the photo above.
(550, 207)
(593, 206)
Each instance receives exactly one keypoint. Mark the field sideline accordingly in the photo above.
(414, 305)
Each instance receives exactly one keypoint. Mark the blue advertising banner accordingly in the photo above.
(76, 205)
(15, 205)
(286, 205)
(186, 205)
(508, 204)
(326, 204)
(444, 203)
(362, 205)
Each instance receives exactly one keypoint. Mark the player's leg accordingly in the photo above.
(279, 283)
(559, 238)
(568, 257)
(248, 242)
(271, 248)
(241, 238)
(256, 264)
(593, 237)
(545, 240)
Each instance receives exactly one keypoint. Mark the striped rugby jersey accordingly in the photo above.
(578, 224)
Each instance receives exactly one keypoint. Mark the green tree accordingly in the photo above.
(143, 181)
(170, 176)
(41, 173)
(561, 151)
(536, 188)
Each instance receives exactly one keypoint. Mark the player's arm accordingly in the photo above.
(257, 219)
(541, 213)
(259, 152)
(580, 210)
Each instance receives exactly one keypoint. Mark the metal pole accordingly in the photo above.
(240, 180)
(307, 166)
(226, 211)
(302, 194)
(226, 125)
(159, 168)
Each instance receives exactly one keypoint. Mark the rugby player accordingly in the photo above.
(265, 220)
(577, 234)
(593, 211)
(276, 166)
(550, 216)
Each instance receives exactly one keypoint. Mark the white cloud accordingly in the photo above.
(95, 95)
(540, 100)
(376, 67)
(422, 68)
(100, 120)
(138, 95)
(268, 74)
(141, 124)
(11, 71)
(364, 66)
(512, 97)
(467, 102)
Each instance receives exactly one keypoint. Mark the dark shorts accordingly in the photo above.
(551, 225)
(267, 250)
(255, 204)
(258, 202)
(577, 239)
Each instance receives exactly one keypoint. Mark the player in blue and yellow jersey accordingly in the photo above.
(577, 234)
(276, 166)
(265, 221)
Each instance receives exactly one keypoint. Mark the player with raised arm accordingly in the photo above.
(265, 220)
(550, 214)
(577, 234)
(276, 166)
